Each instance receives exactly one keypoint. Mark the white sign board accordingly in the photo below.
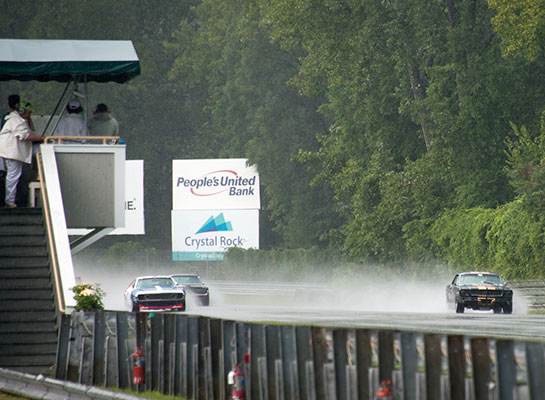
(207, 234)
(216, 184)
(134, 202)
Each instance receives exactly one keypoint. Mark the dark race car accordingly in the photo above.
(479, 291)
(194, 287)
(155, 293)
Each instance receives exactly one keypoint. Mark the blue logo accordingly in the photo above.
(216, 225)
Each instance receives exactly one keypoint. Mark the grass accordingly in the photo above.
(8, 396)
(145, 395)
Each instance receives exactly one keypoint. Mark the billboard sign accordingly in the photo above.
(206, 234)
(214, 184)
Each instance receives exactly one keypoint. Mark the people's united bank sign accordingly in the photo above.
(215, 206)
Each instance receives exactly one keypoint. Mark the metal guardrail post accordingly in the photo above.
(141, 329)
(480, 354)
(156, 336)
(161, 364)
(432, 355)
(216, 349)
(409, 365)
(385, 355)
(169, 337)
(180, 366)
(536, 370)
(506, 373)
(74, 348)
(242, 332)
(86, 359)
(258, 351)
(457, 367)
(289, 358)
(192, 357)
(229, 349)
(99, 330)
(340, 359)
(122, 356)
(204, 372)
(274, 355)
(62, 347)
(364, 360)
(320, 356)
(304, 355)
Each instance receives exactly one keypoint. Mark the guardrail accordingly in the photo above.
(40, 387)
(533, 291)
(191, 356)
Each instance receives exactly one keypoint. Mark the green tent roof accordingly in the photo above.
(61, 60)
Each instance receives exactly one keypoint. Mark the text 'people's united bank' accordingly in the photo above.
(218, 184)
(212, 185)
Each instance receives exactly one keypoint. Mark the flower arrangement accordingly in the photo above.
(88, 297)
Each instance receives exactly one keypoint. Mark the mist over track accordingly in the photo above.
(403, 304)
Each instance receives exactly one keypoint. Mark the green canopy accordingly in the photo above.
(62, 60)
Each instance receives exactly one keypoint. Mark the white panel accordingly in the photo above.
(214, 184)
(207, 234)
(134, 199)
(134, 202)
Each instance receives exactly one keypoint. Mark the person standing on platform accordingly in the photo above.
(16, 138)
(103, 123)
(72, 124)
(13, 104)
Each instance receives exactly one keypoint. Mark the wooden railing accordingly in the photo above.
(87, 139)
(59, 296)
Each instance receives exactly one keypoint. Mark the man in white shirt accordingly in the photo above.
(72, 124)
(16, 139)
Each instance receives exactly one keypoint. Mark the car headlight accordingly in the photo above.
(464, 292)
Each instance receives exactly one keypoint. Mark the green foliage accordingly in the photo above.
(252, 113)
(521, 25)
(88, 297)
(525, 166)
(508, 240)
(385, 131)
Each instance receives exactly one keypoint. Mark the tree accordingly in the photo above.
(252, 113)
(521, 25)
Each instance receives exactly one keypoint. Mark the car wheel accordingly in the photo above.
(206, 301)
(508, 309)
(135, 307)
(460, 308)
(497, 310)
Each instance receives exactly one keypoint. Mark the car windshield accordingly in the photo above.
(153, 282)
(187, 279)
(476, 279)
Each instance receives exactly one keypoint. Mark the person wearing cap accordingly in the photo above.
(103, 123)
(16, 138)
(72, 124)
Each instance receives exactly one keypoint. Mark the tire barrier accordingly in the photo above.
(191, 356)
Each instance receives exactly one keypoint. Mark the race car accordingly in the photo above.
(155, 293)
(479, 291)
(194, 287)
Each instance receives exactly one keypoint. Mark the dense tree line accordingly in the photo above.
(389, 132)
